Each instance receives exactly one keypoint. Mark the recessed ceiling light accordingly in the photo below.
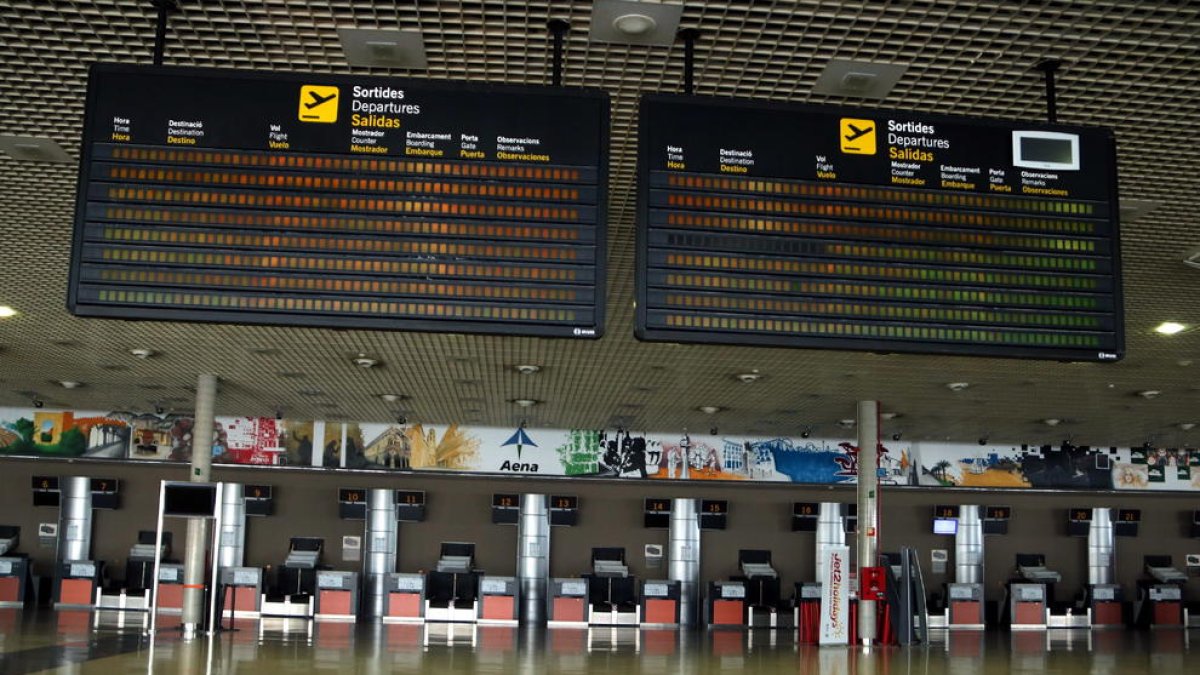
(33, 149)
(383, 48)
(391, 398)
(1170, 328)
(1187, 426)
(69, 384)
(1052, 421)
(6, 311)
(749, 378)
(957, 386)
(847, 423)
(634, 24)
(526, 402)
(1136, 209)
(709, 409)
(1149, 394)
(364, 361)
(637, 23)
(859, 79)
(1184, 362)
(527, 368)
(889, 415)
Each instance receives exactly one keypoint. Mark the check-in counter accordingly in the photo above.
(243, 593)
(337, 596)
(76, 584)
(568, 602)
(404, 601)
(660, 603)
(498, 600)
(14, 581)
(727, 603)
(170, 588)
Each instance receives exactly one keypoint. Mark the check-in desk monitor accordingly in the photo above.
(762, 581)
(610, 586)
(454, 581)
(139, 567)
(298, 576)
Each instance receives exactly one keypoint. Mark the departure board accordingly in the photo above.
(887, 231)
(341, 201)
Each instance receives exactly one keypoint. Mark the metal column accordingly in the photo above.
(197, 528)
(684, 560)
(831, 531)
(232, 543)
(381, 535)
(1101, 548)
(75, 519)
(868, 516)
(968, 546)
(533, 558)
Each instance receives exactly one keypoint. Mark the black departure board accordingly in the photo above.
(803, 226)
(341, 201)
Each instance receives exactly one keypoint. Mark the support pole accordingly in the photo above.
(684, 558)
(558, 28)
(689, 36)
(868, 515)
(197, 528)
(164, 7)
(382, 537)
(1049, 67)
(75, 519)
(533, 559)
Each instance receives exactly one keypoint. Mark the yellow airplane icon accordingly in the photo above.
(857, 137)
(318, 103)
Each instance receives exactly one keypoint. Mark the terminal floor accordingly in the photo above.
(71, 643)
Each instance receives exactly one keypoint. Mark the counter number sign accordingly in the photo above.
(318, 103)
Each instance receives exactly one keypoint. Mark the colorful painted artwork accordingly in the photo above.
(43, 433)
(616, 454)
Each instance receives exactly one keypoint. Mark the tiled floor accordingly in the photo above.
(71, 643)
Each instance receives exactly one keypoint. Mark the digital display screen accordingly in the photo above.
(46, 498)
(222, 196)
(654, 505)
(506, 501)
(258, 492)
(998, 513)
(887, 231)
(564, 502)
(189, 500)
(943, 511)
(945, 526)
(1129, 515)
(105, 485)
(714, 506)
(806, 510)
(410, 497)
(1047, 150)
(1080, 515)
(45, 482)
(352, 495)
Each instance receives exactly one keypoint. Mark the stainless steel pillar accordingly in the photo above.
(533, 558)
(684, 557)
(1102, 548)
(968, 546)
(381, 535)
(868, 517)
(831, 531)
(231, 551)
(75, 518)
(197, 528)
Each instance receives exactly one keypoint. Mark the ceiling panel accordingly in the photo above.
(1127, 65)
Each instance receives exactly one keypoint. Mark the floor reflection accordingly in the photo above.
(95, 642)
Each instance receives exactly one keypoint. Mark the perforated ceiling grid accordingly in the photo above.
(1129, 65)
